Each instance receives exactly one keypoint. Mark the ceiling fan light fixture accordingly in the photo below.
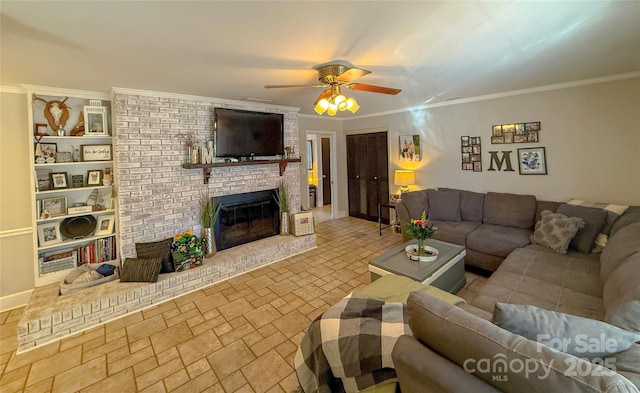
(352, 105)
(322, 106)
(332, 110)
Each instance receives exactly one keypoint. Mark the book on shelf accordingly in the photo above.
(97, 251)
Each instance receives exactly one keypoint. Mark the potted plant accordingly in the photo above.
(282, 199)
(209, 210)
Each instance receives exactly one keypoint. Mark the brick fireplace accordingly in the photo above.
(157, 197)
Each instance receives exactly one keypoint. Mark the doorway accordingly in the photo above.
(321, 148)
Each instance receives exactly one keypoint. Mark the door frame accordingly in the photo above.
(332, 135)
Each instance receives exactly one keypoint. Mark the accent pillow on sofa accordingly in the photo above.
(613, 212)
(594, 220)
(556, 231)
(582, 337)
(444, 205)
(141, 270)
(159, 249)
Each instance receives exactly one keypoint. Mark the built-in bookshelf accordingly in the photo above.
(74, 217)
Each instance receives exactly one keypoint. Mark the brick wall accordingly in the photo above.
(158, 198)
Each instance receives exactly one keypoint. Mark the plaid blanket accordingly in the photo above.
(348, 347)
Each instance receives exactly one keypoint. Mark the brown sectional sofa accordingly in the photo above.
(599, 286)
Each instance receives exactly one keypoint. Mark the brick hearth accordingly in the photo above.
(50, 317)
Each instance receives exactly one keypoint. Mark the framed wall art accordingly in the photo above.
(58, 180)
(95, 152)
(49, 233)
(532, 161)
(471, 150)
(95, 120)
(94, 177)
(105, 225)
(410, 148)
(515, 133)
(55, 206)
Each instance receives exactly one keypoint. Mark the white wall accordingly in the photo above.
(591, 135)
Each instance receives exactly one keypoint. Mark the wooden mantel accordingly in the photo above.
(206, 168)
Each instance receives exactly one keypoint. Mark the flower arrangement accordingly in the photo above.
(186, 251)
(420, 228)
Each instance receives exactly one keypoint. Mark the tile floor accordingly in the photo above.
(236, 336)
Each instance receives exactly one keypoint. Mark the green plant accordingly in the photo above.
(282, 199)
(209, 210)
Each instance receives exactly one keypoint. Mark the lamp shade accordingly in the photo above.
(404, 177)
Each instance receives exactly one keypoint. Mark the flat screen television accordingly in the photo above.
(240, 133)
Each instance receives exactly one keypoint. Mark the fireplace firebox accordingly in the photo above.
(247, 217)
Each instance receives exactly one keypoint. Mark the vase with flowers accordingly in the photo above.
(420, 229)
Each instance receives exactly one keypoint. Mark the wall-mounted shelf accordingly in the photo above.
(206, 168)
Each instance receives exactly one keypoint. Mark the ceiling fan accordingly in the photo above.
(333, 77)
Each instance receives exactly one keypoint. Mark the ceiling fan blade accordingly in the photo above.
(324, 94)
(352, 74)
(281, 86)
(372, 88)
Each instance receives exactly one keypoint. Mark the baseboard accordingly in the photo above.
(15, 300)
(341, 214)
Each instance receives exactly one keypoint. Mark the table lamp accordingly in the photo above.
(404, 178)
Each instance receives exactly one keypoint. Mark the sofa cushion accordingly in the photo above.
(416, 202)
(472, 342)
(630, 216)
(621, 295)
(454, 231)
(471, 204)
(444, 205)
(564, 332)
(612, 212)
(141, 269)
(620, 246)
(497, 239)
(159, 249)
(556, 230)
(538, 276)
(594, 220)
(546, 205)
(510, 210)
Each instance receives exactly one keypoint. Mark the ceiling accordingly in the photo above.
(432, 50)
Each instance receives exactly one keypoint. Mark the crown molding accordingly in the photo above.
(12, 89)
(493, 96)
(219, 102)
(57, 91)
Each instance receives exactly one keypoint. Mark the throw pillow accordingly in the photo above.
(582, 337)
(141, 269)
(159, 249)
(594, 220)
(444, 205)
(613, 213)
(555, 231)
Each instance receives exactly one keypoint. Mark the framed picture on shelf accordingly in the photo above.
(59, 180)
(55, 206)
(95, 120)
(49, 233)
(43, 179)
(40, 129)
(105, 225)
(95, 152)
(77, 181)
(532, 161)
(94, 177)
(47, 150)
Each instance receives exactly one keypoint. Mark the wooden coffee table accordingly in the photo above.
(446, 272)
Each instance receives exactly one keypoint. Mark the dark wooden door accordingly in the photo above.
(367, 172)
(326, 171)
